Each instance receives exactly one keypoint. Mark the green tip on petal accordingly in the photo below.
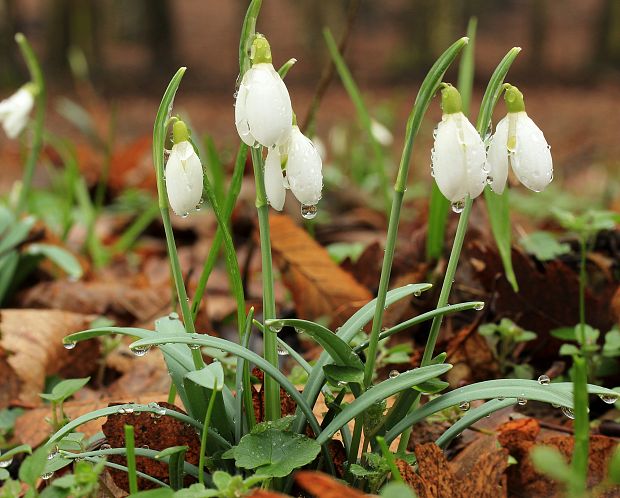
(513, 98)
(180, 133)
(450, 100)
(260, 51)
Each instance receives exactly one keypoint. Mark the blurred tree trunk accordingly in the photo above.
(539, 19)
(9, 25)
(608, 36)
(159, 34)
(71, 25)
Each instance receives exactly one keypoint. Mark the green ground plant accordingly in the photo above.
(237, 451)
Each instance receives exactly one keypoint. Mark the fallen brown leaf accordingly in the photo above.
(323, 486)
(519, 437)
(318, 285)
(31, 342)
(154, 433)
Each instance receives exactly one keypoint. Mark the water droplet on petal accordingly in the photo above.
(544, 380)
(458, 206)
(185, 214)
(568, 412)
(464, 406)
(393, 374)
(309, 211)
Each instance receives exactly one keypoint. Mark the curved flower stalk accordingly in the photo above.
(304, 173)
(519, 142)
(263, 111)
(184, 173)
(15, 110)
(458, 158)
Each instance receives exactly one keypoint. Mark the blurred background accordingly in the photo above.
(126, 51)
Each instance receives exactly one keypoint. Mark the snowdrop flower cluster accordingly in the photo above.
(462, 166)
(264, 117)
(183, 173)
(14, 111)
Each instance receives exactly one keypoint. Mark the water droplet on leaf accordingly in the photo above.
(464, 406)
(394, 373)
(568, 412)
(544, 380)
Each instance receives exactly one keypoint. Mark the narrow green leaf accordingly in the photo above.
(378, 393)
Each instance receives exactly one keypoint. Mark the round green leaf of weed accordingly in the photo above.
(65, 389)
(275, 453)
(210, 376)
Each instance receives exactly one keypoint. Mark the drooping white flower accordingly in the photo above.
(381, 133)
(183, 173)
(263, 112)
(458, 157)
(519, 142)
(304, 169)
(14, 111)
(274, 179)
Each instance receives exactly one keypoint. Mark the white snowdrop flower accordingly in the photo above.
(183, 173)
(263, 112)
(519, 142)
(381, 133)
(274, 179)
(458, 157)
(14, 111)
(304, 171)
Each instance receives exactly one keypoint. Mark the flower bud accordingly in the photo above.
(183, 173)
(14, 111)
(458, 157)
(263, 112)
(274, 179)
(519, 142)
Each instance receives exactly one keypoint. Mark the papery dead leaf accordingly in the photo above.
(32, 341)
(319, 286)
(323, 486)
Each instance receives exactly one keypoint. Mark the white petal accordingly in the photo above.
(304, 169)
(475, 158)
(497, 156)
(448, 160)
(241, 117)
(267, 105)
(274, 180)
(531, 163)
(14, 112)
(458, 158)
(381, 133)
(183, 179)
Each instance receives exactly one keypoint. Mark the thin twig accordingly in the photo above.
(327, 75)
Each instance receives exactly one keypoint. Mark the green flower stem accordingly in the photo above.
(159, 137)
(446, 287)
(36, 76)
(130, 445)
(425, 94)
(205, 432)
(582, 290)
(272, 389)
(408, 401)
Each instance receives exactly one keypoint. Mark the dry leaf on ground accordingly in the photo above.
(31, 428)
(323, 486)
(32, 343)
(156, 433)
(318, 285)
